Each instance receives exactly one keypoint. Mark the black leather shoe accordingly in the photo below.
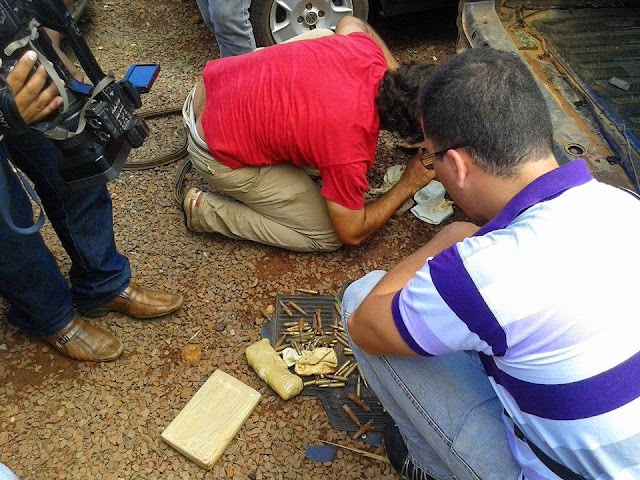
(399, 455)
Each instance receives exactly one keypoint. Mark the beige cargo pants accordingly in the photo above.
(278, 205)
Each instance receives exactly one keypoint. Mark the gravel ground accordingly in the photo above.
(64, 419)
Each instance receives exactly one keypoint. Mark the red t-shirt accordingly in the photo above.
(310, 102)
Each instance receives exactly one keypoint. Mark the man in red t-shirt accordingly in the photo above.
(260, 122)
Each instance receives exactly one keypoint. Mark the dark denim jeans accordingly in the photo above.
(40, 299)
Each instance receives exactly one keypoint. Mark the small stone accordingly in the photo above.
(219, 327)
(191, 354)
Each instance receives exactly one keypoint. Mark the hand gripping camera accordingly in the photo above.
(95, 128)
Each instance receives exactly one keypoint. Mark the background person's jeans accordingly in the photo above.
(229, 21)
(445, 407)
(30, 278)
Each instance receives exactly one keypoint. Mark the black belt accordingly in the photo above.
(560, 470)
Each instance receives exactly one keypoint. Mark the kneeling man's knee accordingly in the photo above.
(357, 291)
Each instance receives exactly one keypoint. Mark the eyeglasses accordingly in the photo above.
(427, 158)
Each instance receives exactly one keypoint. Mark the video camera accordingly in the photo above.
(95, 128)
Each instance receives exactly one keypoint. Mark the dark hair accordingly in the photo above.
(397, 100)
(488, 101)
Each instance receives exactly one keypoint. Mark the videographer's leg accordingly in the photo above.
(82, 219)
(39, 298)
(30, 280)
(229, 21)
(445, 408)
(100, 275)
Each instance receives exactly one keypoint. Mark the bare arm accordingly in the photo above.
(371, 326)
(354, 226)
(348, 25)
(56, 39)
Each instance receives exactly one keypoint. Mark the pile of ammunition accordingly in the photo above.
(302, 335)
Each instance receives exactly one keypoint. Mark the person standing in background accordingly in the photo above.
(229, 22)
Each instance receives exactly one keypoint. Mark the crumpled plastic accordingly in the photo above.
(290, 356)
(431, 207)
(319, 361)
(391, 177)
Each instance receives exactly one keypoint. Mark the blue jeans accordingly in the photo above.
(229, 21)
(6, 473)
(40, 299)
(445, 407)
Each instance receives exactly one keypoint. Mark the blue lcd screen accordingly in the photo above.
(143, 76)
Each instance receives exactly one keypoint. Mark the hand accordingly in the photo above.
(34, 100)
(416, 175)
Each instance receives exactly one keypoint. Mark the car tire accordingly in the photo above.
(277, 21)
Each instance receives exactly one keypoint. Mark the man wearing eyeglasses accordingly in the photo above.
(258, 122)
(508, 351)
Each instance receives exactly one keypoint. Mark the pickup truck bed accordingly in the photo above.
(586, 56)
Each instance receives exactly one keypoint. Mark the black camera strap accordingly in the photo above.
(5, 197)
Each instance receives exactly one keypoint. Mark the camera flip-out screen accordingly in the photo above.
(143, 75)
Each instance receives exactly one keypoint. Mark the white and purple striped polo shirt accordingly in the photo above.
(547, 292)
